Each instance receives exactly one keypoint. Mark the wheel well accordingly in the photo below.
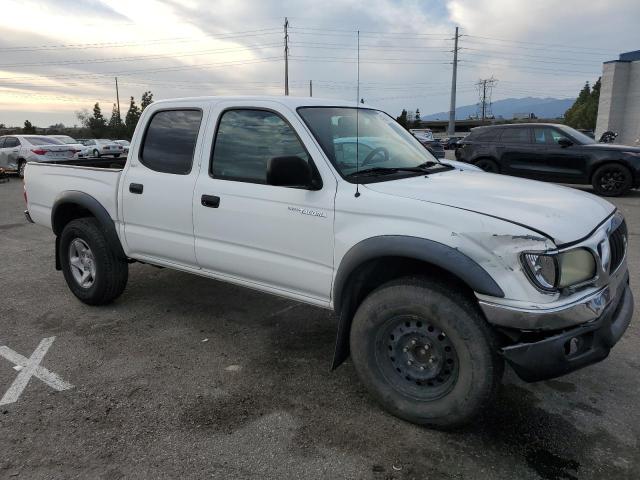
(66, 213)
(376, 272)
(373, 273)
(608, 162)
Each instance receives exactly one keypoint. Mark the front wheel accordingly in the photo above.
(96, 153)
(92, 269)
(488, 165)
(425, 353)
(612, 180)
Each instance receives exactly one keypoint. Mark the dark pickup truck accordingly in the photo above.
(554, 153)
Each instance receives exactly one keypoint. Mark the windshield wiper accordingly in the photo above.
(386, 170)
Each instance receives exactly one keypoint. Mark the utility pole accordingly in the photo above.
(452, 107)
(485, 88)
(311, 88)
(118, 101)
(286, 56)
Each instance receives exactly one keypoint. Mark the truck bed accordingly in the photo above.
(45, 182)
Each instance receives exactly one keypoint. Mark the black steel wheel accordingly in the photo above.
(612, 180)
(417, 357)
(425, 352)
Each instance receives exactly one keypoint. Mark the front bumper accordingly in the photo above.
(573, 348)
(560, 314)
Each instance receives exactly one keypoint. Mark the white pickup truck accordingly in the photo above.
(438, 274)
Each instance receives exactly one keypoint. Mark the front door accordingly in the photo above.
(157, 187)
(276, 238)
(560, 163)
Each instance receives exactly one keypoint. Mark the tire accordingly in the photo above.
(612, 180)
(117, 155)
(21, 166)
(450, 381)
(109, 274)
(96, 153)
(487, 165)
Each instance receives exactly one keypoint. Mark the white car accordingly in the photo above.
(437, 275)
(17, 150)
(125, 144)
(72, 142)
(101, 147)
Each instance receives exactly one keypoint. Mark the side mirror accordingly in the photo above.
(290, 171)
(565, 142)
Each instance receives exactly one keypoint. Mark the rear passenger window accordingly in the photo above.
(515, 135)
(11, 142)
(247, 139)
(488, 135)
(170, 141)
(2, 139)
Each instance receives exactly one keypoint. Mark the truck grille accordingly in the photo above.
(618, 245)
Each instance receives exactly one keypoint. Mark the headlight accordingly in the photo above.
(553, 271)
(576, 266)
(543, 269)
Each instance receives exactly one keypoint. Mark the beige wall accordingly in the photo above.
(619, 107)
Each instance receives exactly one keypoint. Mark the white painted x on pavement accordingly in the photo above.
(30, 367)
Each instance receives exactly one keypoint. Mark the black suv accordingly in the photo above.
(554, 153)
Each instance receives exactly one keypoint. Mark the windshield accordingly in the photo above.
(579, 137)
(65, 139)
(43, 141)
(380, 142)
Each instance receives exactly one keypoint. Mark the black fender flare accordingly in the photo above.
(435, 253)
(87, 202)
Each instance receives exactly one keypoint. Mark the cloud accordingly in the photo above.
(195, 47)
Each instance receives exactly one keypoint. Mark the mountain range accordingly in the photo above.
(506, 108)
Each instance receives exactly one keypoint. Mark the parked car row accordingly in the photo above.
(17, 150)
(553, 153)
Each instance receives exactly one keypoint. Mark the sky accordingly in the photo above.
(58, 57)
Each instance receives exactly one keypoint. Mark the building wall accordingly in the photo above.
(619, 106)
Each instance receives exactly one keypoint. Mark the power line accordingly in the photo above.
(555, 45)
(77, 46)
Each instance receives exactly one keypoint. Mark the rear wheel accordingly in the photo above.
(612, 180)
(117, 155)
(425, 353)
(488, 165)
(96, 153)
(91, 268)
(21, 166)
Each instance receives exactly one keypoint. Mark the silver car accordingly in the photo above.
(72, 142)
(125, 144)
(101, 146)
(17, 150)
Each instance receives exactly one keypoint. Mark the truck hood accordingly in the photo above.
(561, 213)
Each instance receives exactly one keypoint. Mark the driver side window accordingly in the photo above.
(245, 142)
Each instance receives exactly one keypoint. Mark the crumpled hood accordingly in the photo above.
(561, 213)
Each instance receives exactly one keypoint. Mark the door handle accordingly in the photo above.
(136, 188)
(210, 201)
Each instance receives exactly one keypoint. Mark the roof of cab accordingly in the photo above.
(289, 101)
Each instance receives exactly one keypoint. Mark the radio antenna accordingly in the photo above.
(358, 120)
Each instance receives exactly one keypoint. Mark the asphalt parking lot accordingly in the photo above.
(185, 377)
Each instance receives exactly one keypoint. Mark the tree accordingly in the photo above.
(115, 123)
(402, 119)
(28, 127)
(584, 111)
(146, 100)
(133, 115)
(83, 117)
(97, 122)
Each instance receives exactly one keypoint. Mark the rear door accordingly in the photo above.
(559, 164)
(276, 238)
(516, 152)
(157, 187)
